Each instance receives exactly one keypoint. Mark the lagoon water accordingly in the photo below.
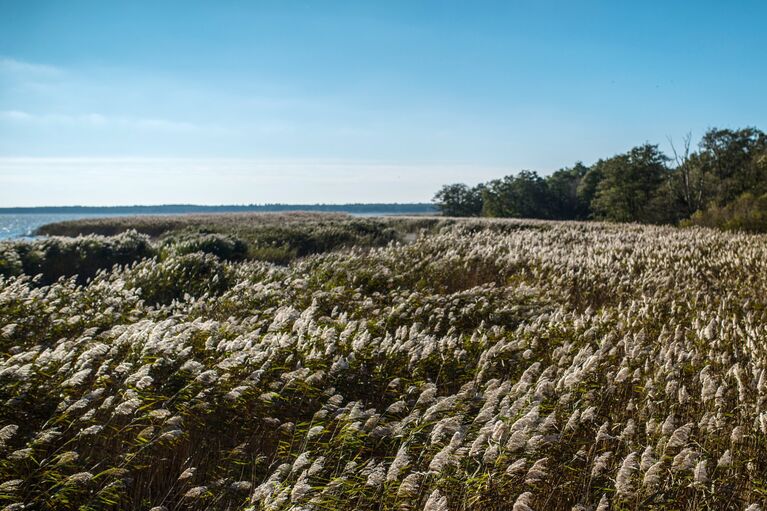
(23, 225)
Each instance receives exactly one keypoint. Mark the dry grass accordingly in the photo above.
(493, 365)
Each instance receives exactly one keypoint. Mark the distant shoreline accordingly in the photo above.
(370, 208)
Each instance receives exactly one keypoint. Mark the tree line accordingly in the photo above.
(722, 182)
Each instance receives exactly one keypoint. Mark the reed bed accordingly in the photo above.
(491, 365)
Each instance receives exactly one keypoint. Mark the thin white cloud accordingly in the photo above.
(100, 120)
(14, 67)
(15, 115)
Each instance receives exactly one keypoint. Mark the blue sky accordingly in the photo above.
(346, 101)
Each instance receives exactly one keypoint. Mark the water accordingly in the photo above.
(23, 225)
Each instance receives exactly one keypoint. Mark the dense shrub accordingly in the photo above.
(178, 277)
(223, 246)
(10, 262)
(300, 240)
(748, 213)
(83, 256)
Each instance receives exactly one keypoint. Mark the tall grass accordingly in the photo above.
(493, 365)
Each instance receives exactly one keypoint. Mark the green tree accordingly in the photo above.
(729, 164)
(630, 183)
(587, 188)
(564, 201)
(459, 200)
(523, 196)
(636, 186)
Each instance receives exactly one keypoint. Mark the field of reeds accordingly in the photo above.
(274, 237)
(413, 364)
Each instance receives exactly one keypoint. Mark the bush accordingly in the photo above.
(747, 213)
(194, 275)
(10, 262)
(82, 256)
(281, 244)
(222, 246)
(277, 254)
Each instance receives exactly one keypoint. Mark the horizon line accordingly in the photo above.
(196, 205)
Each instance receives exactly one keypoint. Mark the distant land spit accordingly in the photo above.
(366, 208)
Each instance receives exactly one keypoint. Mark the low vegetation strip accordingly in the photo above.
(486, 364)
(157, 225)
(84, 247)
